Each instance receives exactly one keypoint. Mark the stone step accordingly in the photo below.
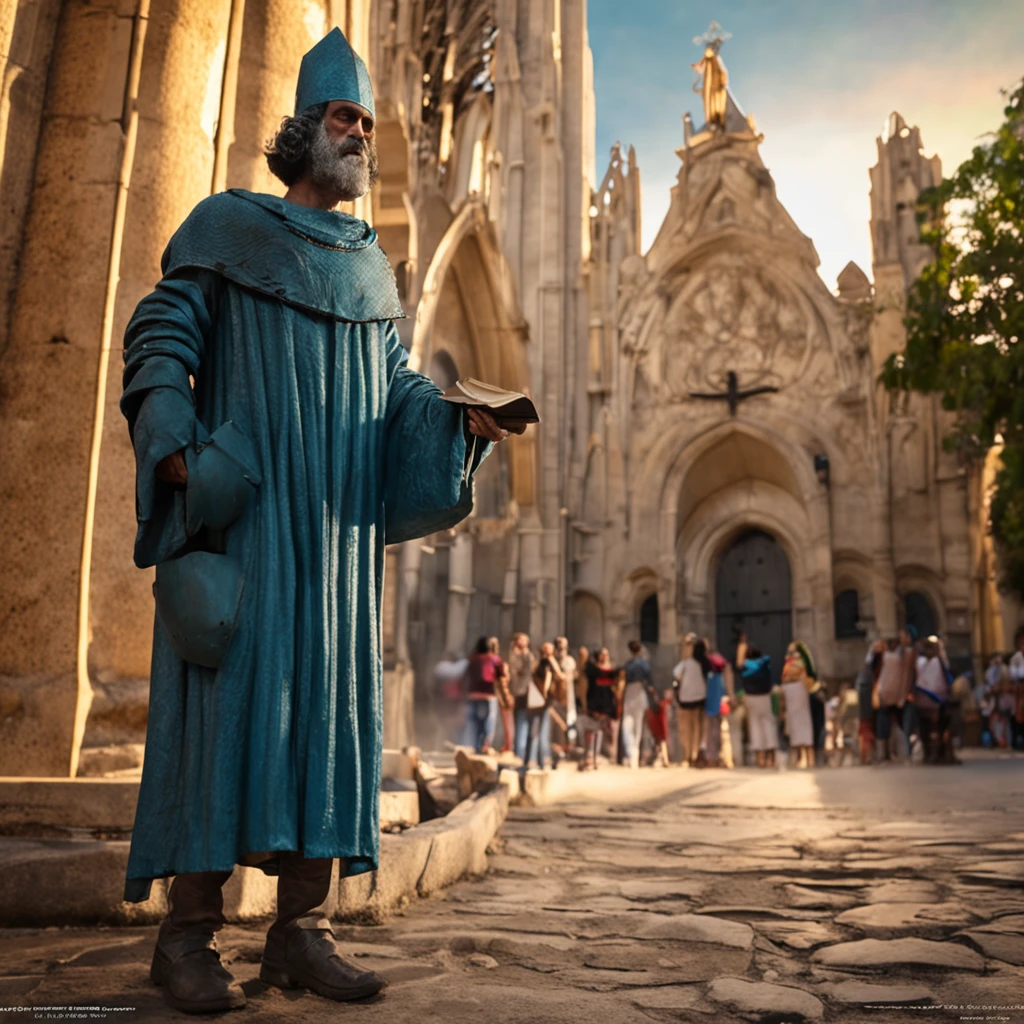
(48, 808)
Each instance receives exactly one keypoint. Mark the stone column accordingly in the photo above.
(543, 288)
(460, 592)
(48, 380)
(179, 102)
(27, 31)
(273, 42)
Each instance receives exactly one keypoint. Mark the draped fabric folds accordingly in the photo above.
(280, 748)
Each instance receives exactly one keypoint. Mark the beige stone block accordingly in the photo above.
(476, 772)
(396, 764)
(36, 731)
(402, 861)
(399, 807)
(354, 896)
(64, 882)
(98, 762)
(104, 805)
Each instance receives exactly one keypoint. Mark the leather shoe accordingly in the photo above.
(307, 956)
(192, 977)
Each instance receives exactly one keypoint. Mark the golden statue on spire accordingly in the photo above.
(714, 79)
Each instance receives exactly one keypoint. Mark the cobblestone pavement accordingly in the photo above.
(741, 896)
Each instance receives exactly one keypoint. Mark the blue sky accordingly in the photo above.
(820, 79)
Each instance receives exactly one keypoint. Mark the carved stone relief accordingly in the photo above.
(731, 316)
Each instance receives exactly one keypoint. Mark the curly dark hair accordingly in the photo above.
(288, 151)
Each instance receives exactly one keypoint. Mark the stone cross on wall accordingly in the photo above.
(732, 394)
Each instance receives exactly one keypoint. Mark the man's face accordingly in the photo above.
(561, 645)
(344, 155)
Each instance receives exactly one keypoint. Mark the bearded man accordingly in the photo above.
(280, 441)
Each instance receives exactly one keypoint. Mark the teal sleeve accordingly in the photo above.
(430, 454)
(163, 353)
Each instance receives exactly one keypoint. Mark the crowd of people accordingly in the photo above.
(549, 705)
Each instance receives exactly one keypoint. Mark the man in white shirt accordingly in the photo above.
(931, 695)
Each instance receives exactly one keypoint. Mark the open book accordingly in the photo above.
(506, 406)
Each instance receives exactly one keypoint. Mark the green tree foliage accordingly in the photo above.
(965, 319)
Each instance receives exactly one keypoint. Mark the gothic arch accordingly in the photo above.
(468, 297)
(910, 578)
(708, 503)
(667, 465)
(497, 304)
(853, 569)
(467, 167)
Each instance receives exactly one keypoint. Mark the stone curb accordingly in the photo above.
(81, 881)
(427, 858)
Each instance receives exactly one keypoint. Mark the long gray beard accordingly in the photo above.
(349, 175)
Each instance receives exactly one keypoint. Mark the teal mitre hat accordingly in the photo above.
(332, 70)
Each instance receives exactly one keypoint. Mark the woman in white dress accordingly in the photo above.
(798, 677)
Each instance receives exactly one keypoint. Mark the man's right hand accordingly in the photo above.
(172, 469)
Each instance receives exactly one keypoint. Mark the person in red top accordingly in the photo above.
(485, 679)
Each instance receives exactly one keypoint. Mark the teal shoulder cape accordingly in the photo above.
(250, 238)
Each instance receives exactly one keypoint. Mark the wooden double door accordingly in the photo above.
(753, 593)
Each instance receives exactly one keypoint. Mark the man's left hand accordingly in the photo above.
(483, 424)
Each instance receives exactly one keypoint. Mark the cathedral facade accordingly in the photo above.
(714, 453)
(759, 478)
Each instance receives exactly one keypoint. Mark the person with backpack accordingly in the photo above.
(483, 676)
(755, 671)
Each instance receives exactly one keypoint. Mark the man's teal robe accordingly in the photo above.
(283, 317)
